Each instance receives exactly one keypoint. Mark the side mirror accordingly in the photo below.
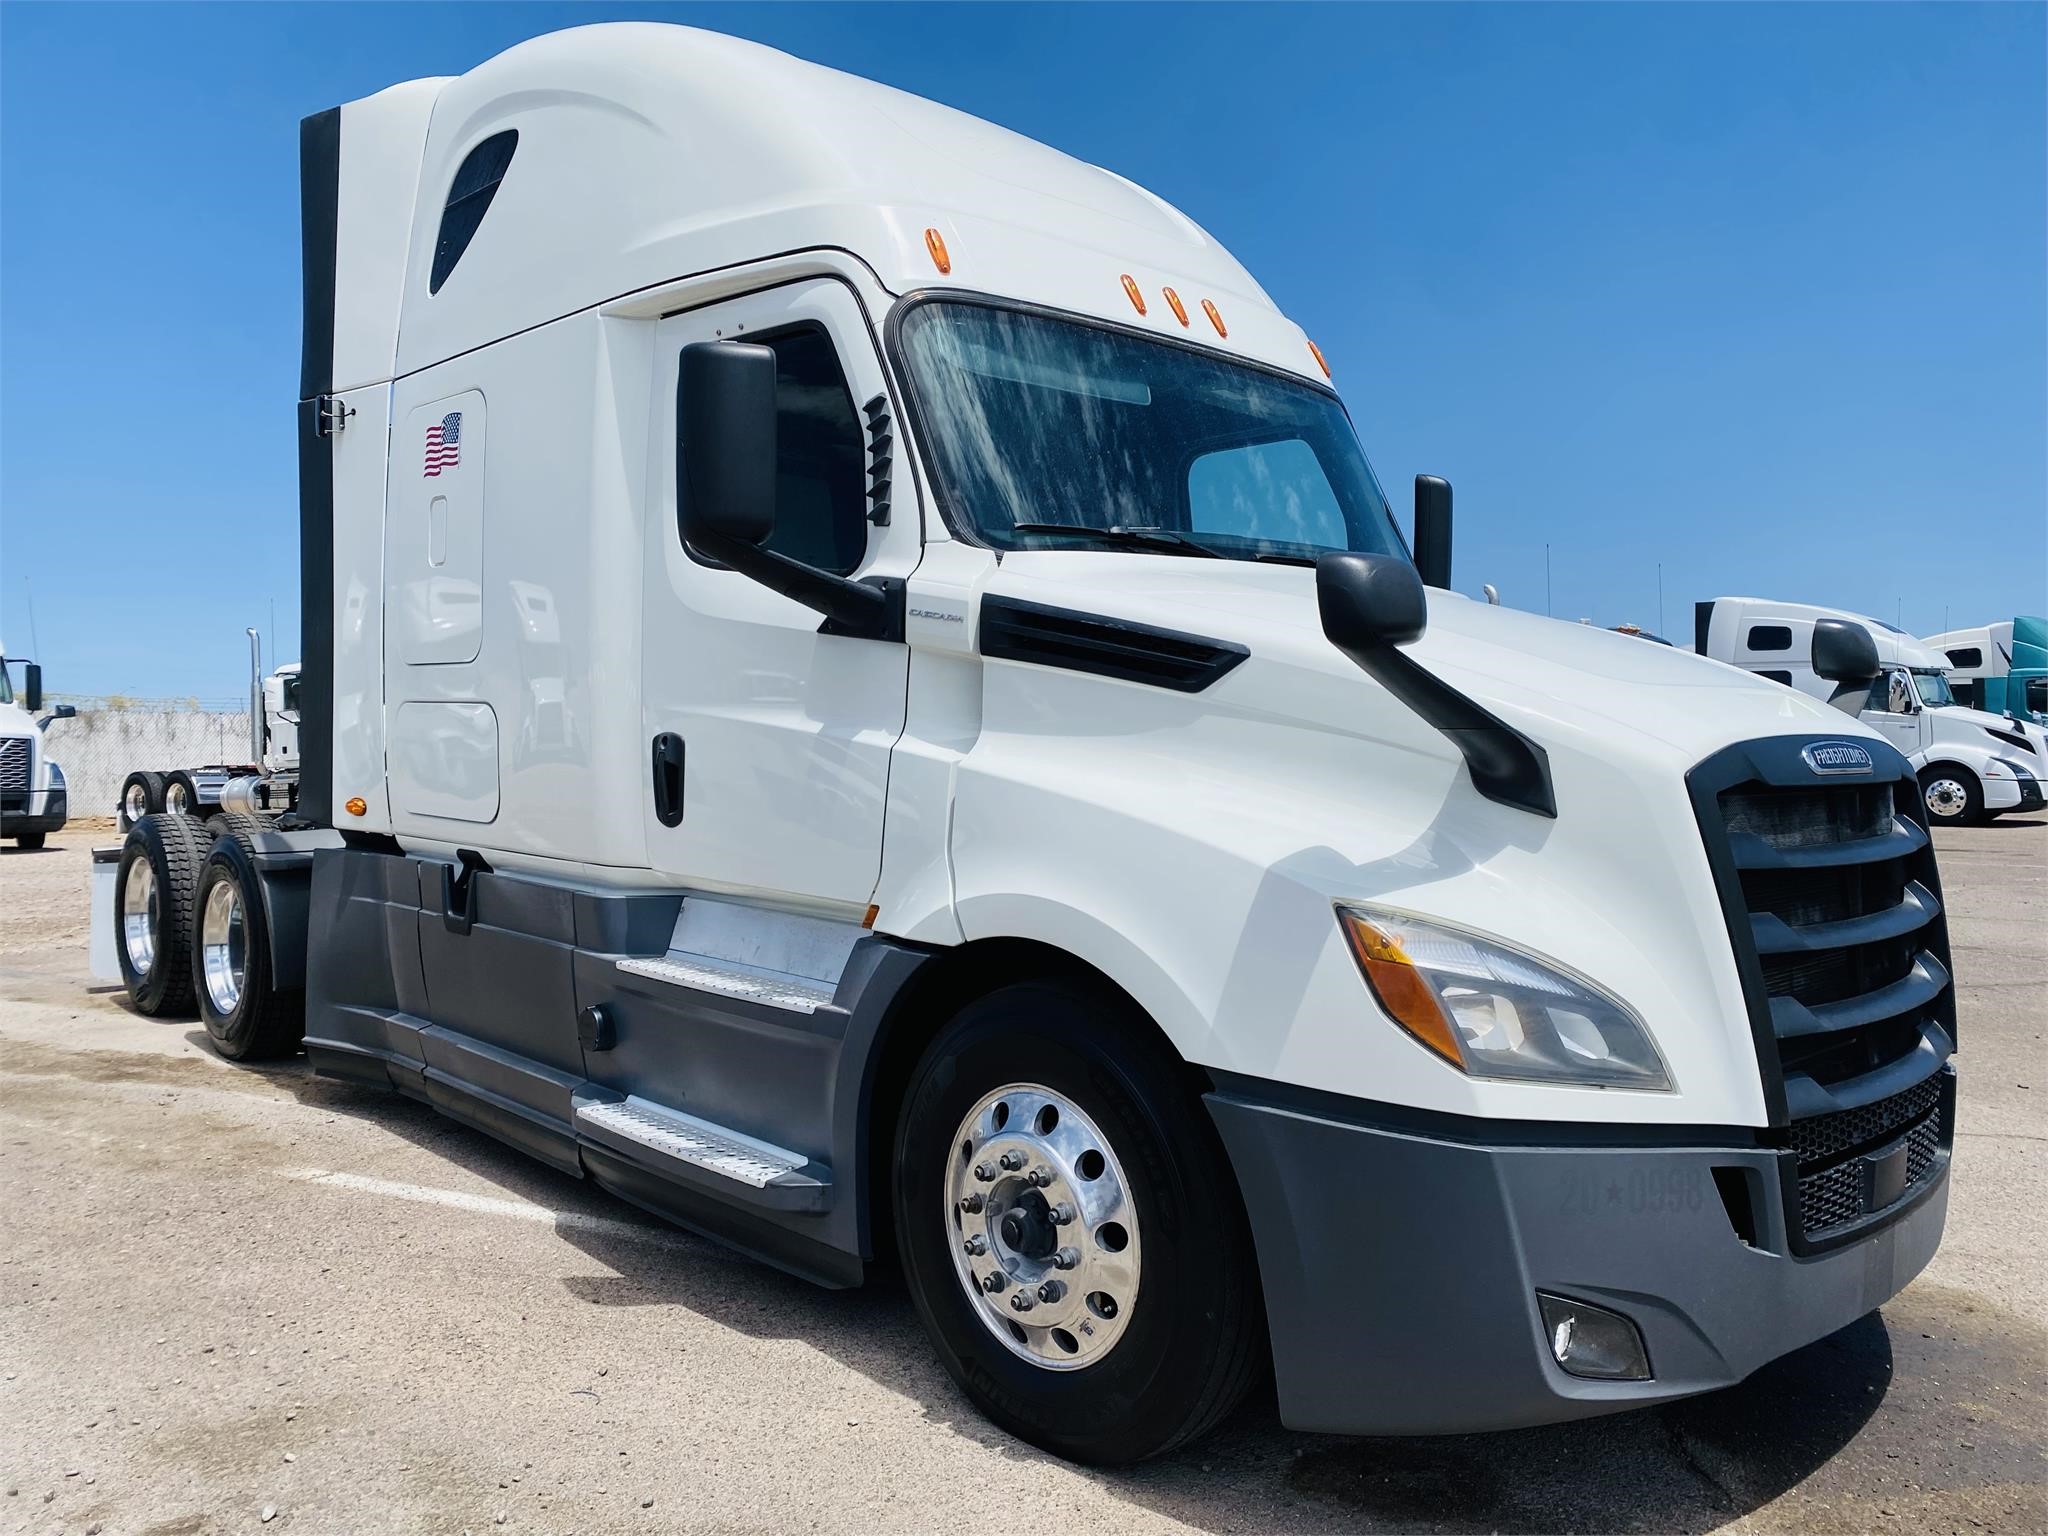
(1433, 530)
(1369, 602)
(62, 712)
(2036, 692)
(1843, 652)
(31, 687)
(725, 435)
(1372, 605)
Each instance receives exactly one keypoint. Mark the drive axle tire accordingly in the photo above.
(1952, 796)
(153, 892)
(142, 794)
(246, 1016)
(1070, 1228)
(181, 795)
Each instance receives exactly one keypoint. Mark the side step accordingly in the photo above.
(778, 1177)
(773, 989)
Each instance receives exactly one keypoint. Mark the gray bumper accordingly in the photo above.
(1401, 1268)
(41, 810)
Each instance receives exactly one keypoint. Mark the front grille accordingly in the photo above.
(1834, 912)
(14, 763)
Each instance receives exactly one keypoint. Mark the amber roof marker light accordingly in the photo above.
(1173, 303)
(1215, 317)
(941, 258)
(1137, 298)
(1316, 352)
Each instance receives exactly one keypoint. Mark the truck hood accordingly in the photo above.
(1545, 676)
(16, 721)
(1955, 722)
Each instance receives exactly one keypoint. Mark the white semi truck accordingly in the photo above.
(34, 800)
(270, 776)
(1972, 765)
(860, 693)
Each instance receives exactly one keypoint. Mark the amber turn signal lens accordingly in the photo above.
(1173, 303)
(1400, 987)
(1137, 298)
(357, 806)
(1215, 317)
(936, 244)
(1316, 352)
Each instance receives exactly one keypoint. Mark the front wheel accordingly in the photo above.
(1070, 1229)
(1952, 795)
(30, 841)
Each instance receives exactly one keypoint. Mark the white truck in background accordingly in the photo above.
(265, 785)
(928, 748)
(1972, 765)
(2001, 668)
(34, 801)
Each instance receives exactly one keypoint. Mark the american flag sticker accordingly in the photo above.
(444, 443)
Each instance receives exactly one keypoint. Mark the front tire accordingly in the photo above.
(1952, 796)
(153, 892)
(246, 1016)
(30, 841)
(1070, 1229)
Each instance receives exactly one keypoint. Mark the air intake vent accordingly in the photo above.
(1012, 630)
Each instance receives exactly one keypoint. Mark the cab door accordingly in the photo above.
(767, 742)
(1895, 711)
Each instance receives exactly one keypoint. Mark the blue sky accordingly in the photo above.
(1754, 292)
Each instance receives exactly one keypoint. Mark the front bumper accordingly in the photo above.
(1401, 1265)
(37, 810)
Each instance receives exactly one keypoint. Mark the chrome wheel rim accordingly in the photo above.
(176, 799)
(136, 803)
(223, 948)
(138, 916)
(1947, 799)
(1042, 1227)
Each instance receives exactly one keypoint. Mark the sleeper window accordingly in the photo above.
(821, 495)
(469, 196)
(1770, 637)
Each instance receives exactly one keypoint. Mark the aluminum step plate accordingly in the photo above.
(795, 993)
(690, 1140)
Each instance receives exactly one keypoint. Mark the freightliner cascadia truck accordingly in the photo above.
(860, 693)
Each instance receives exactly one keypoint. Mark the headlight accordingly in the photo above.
(1491, 1010)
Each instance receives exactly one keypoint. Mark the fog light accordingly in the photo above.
(1591, 1341)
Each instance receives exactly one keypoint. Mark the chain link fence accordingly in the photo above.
(110, 737)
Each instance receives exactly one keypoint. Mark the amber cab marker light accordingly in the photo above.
(357, 806)
(1400, 987)
(873, 913)
(936, 244)
(1173, 303)
(1316, 352)
(1215, 317)
(1137, 298)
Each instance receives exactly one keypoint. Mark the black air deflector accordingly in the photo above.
(1014, 630)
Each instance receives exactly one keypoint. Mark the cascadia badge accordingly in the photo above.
(1837, 757)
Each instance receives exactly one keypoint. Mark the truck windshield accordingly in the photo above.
(1934, 689)
(1051, 433)
(6, 683)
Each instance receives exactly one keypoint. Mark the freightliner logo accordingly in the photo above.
(1837, 757)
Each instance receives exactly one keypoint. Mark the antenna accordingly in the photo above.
(1546, 581)
(1660, 597)
(35, 641)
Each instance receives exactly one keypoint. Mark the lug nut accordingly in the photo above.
(1061, 1214)
(1021, 1301)
(984, 1171)
(971, 1206)
(1040, 1176)
(994, 1281)
(1013, 1159)
(976, 1245)
(1066, 1258)
(1052, 1290)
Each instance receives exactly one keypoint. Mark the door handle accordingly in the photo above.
(668, 779)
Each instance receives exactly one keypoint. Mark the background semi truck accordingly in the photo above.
(1971, 764)
(859, 692)
(33, 799)
(2000, 668)
(267, 783)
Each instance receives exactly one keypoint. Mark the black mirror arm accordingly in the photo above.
(1505, 765)
(869, 609)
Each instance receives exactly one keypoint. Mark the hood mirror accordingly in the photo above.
(1371, 606)
(1845, 655)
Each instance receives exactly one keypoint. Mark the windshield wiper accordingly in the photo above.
(1117, 533)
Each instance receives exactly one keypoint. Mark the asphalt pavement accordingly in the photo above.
(238, 1299)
